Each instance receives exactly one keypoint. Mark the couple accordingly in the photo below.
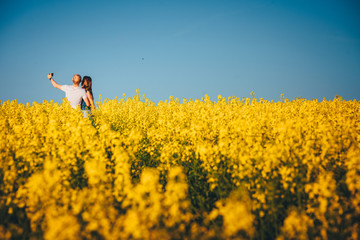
(76, 95)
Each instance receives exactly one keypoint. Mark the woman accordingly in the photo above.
(86, 84)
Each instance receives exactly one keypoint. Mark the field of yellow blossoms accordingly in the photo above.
(181, 169)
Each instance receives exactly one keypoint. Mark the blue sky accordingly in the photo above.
(299, 48)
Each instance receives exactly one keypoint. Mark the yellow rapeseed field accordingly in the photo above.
(191, 169)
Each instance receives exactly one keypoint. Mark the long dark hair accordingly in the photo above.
(86, 83)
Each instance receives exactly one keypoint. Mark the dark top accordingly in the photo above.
(83, 104)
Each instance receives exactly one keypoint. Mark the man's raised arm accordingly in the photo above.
(58, 86)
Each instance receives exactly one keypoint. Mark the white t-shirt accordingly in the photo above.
(74, 94)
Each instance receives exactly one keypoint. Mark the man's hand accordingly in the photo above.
(58, 86)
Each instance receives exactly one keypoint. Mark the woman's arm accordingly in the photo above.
(87, 102)
(91, 100)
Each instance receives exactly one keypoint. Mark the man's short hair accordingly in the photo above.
(76, 79)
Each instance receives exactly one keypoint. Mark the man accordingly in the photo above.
(73, 93)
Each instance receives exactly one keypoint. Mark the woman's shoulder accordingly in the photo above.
(89, 92)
